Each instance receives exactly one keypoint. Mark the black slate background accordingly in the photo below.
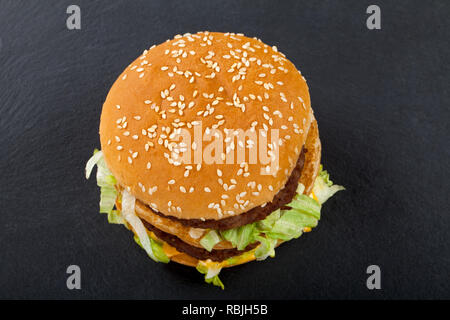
(381, 98)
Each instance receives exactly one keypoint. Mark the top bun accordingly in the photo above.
(219, 81)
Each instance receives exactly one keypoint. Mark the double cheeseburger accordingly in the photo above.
(179, 132)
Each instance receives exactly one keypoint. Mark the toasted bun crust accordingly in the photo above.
(226, 81)
(312, 158)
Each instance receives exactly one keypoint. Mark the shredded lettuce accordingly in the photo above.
(108, 195)
(240, 237)
(114, 217)
(269, 221)
(305, 205)
(104, 177)
(128, 213)
(287, 227)
(92, 162)
(211, 272)
(324, 187)
(230, 235)
(245, 236)
(215, 281)
(157, 249)
(266, 248)
(105, 180)
(210, 239)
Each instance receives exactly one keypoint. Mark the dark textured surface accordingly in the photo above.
(381, 99)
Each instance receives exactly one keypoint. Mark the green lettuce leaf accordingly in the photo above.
(92, 162)
(305, 205)
(324, 187)
(245, 236)
(129, 214)
(230, 235)
(266, 248)
(240, 237)
(269, 221)
(287, 227)
(157, 249)
(210, 239)
(108, 195)
(215, 281)
(105, 180)
(115, 217)
(211, 274)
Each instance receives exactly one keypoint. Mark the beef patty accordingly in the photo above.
(196, 252)
(283, 197)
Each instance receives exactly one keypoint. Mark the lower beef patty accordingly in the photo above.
(198, 253)
(283, 197)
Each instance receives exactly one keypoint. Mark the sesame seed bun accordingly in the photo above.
(226, 81)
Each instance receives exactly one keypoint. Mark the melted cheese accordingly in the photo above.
(243, 258)
(169, 250)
